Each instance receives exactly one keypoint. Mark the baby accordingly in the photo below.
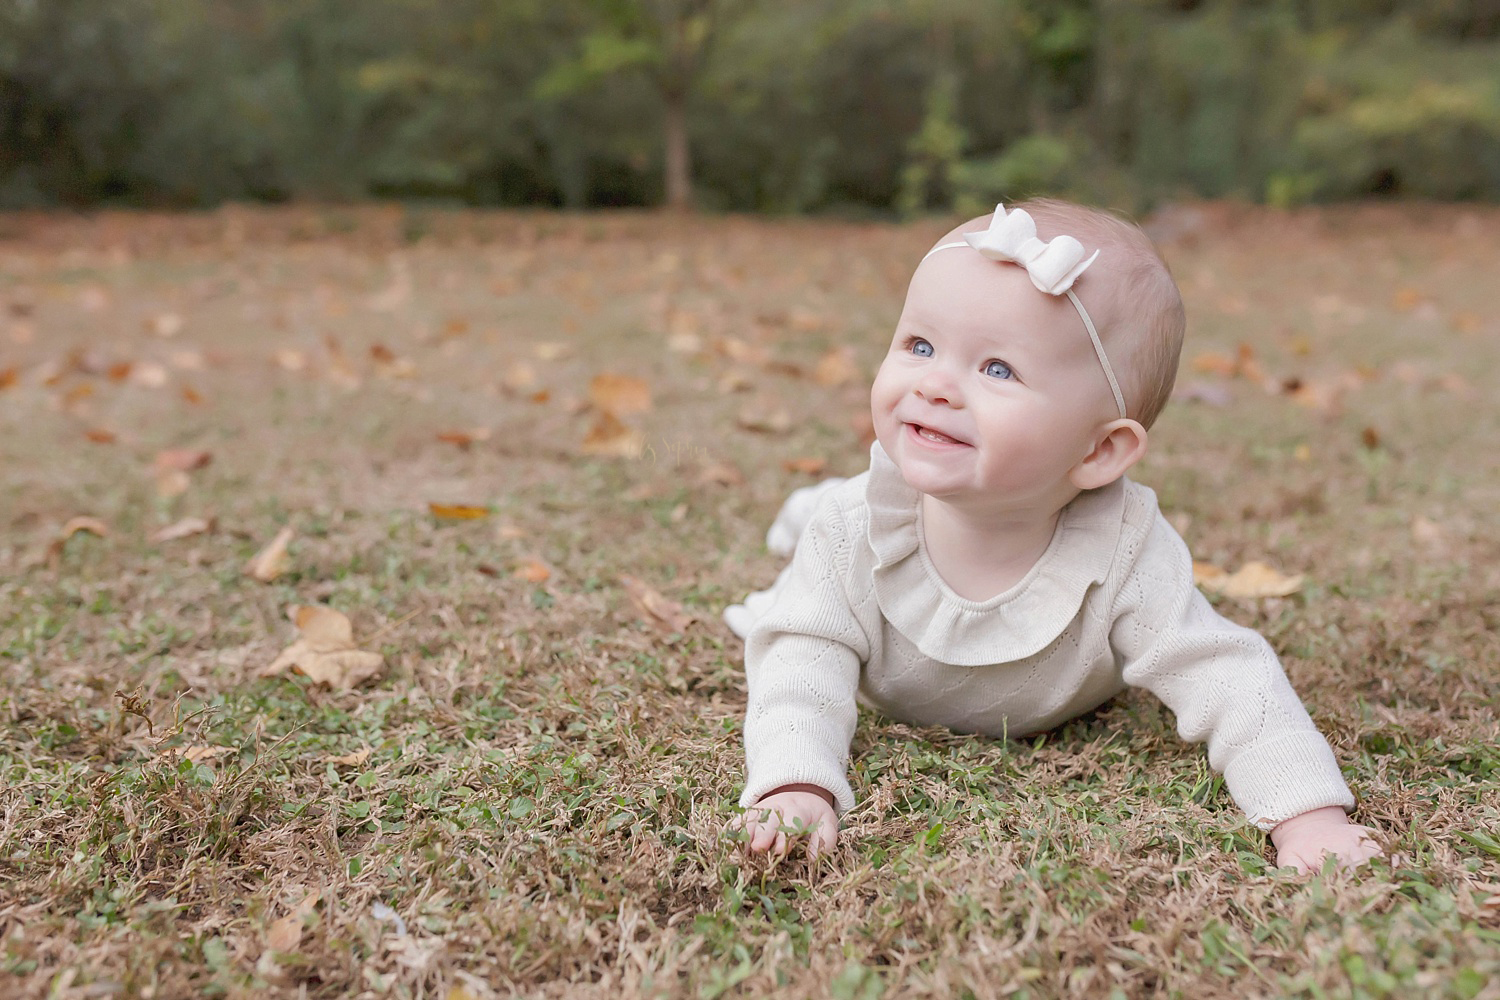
(993, 571)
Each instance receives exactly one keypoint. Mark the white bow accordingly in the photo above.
(1053, 266)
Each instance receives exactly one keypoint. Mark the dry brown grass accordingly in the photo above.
(549, 774)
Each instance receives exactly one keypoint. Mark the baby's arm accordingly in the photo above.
(802, 664)
(1226, 687)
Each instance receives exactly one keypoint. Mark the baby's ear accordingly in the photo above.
(1121, 446)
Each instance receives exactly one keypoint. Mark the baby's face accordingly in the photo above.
(991, 392)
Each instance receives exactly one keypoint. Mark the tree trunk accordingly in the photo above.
(679, 164)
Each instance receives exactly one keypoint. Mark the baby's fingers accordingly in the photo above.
(763, 830)
(823, 836)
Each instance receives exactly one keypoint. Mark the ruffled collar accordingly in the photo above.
(1010, 626)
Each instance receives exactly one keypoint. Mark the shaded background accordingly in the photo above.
(767, 105)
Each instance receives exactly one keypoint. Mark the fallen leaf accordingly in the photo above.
(273, 560)
(463, 439)
(9, 377)
(1406, 299)
(508, 532)
(389, 365)
(457, 511)
(325, 653)
(172, 483)
(811, 466)
(610, 438)
(191, 395)
(760, 418)
(533, 571)
(1427, 532)
(188, 361)
(1214, 363)
(734, 381)
(100, 435)
(197, 754)
(837, 367)
(291, 359)
(519, 376)
(722, 474)
(181, 459)
(52, 556)
(1370, 438)
(184, 528)
(150, 374)
(550, 351)
(354, 759)
(285, 935)
(1252, 580)
(654, 608)
(119, 371)
(1465, 322)
(165, 324)
(620, 395)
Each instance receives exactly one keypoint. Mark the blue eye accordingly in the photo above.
(921, 348)
(998, 369)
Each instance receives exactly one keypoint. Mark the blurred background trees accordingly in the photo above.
(770, 105)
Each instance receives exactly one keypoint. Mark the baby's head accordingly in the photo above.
(1129, 294)
(996, 389)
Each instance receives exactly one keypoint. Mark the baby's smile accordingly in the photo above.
(932, 436)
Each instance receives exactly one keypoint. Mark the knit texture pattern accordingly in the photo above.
(861, 615)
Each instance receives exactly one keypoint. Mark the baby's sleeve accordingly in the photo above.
(1224, 684)
(802, 663)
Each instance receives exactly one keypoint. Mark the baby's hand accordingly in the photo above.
(1302, 841)
(791, 809)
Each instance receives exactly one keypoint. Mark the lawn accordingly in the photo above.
(527, 794)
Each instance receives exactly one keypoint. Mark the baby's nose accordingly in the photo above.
(939, 387)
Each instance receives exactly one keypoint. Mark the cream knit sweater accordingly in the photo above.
(860, 613)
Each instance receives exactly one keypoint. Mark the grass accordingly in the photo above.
(548, 776)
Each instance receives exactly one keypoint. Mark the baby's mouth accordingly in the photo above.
(937, 437)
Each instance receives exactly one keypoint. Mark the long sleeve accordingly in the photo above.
(802, 664)
(1224, 684)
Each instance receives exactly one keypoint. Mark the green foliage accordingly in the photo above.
(911, 105)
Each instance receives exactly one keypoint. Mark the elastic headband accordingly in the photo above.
(1053, 266)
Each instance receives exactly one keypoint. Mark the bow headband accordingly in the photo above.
(1053, 267)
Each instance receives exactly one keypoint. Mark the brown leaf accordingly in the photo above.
(273, 560)
(722, 474)
(285, 934)
(100, 435)
(9, 377)
(191, 396)
(1370, 438)
(519, 377)
(620, 395)
(458, 511)
(1406, 299)
(150, 374)
(811, 466)
(91, 525)
(172, 483)
(654, 608)
(181, 459)
(610, 438)
(760, 417)
(325, 653)
(464, 439)
(184, 528)
(205, 752)
(1252, 580)
(533, 571)
(291, 359)
(354, 759)
(837, 367)
(119, 371)
(165, 324)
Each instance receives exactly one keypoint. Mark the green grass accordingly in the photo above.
(543, 806)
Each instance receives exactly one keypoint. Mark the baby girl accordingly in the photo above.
(994, 571)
